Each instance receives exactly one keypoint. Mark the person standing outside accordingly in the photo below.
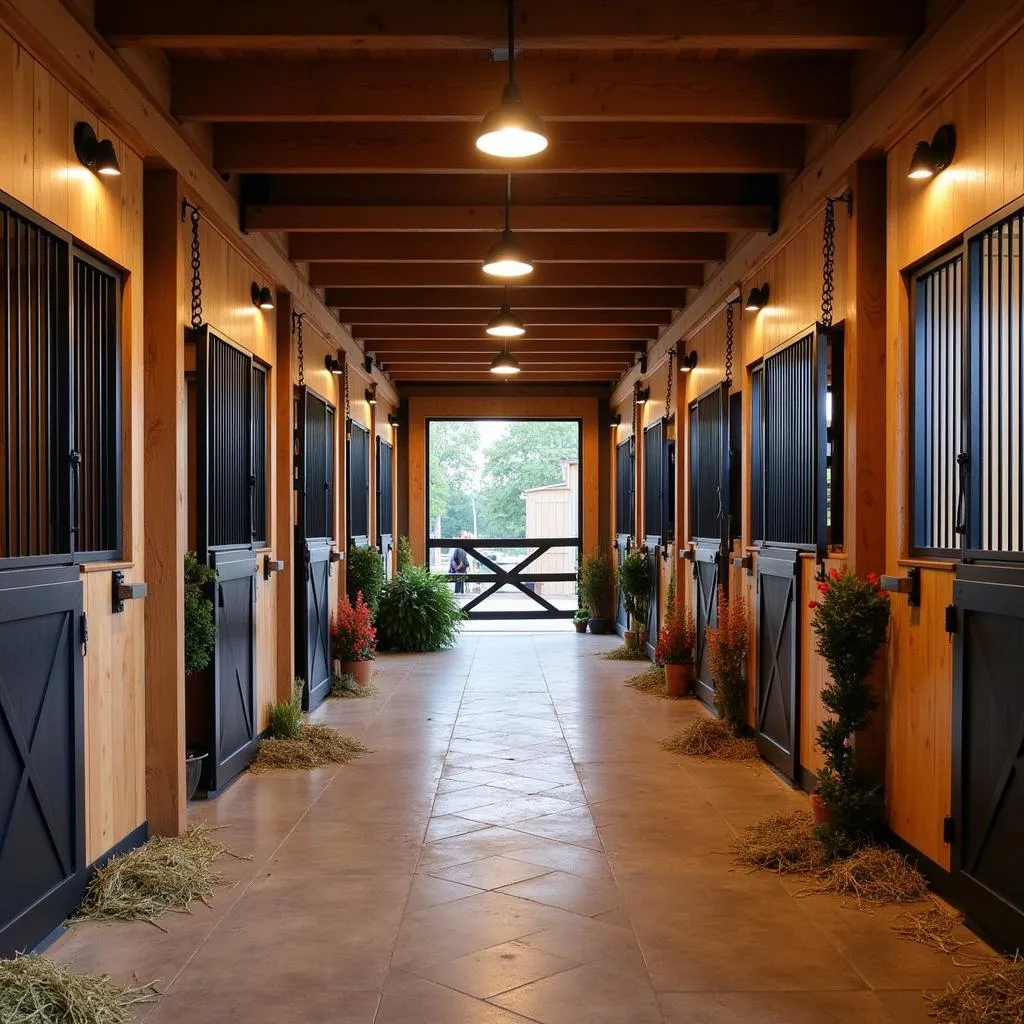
(458, 565)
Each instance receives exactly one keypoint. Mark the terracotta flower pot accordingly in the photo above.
(629, 636)
(362, 670)
(820, 814)
(679, 679)
(581, 627)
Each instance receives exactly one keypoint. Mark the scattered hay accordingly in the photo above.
(346, 687)
(651, 680)
(933, 928)
(784, 843)
(709, 738)
(874, 874)
(166, 873)
(994, 995)
(317, 745)
(626, 652)
(37, 990)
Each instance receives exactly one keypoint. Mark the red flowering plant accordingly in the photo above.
(676, 639)
(727, 659)
(850, 623)
(353, 638)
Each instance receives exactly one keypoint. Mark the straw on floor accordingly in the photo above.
(874, 874)
(626, 652)
(782, 842)
(166, 873)
(934, 927)
(993, 995)
(708, 738)
(651, 680)
(346, 687)
(317, 745)
(38, 990)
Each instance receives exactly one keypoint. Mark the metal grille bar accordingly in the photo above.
(708, 483)
(358, 481)
(625, 473)
(258, 459)
(757, 454)
(385, 491)
(656, 482)
(319, 456)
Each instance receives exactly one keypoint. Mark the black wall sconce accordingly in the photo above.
(688, 362)
(393, 420)
(368, 364)
(333, 365)
(261, 297)
(641, 395)
(642, 363)
(614, 420)
(371, 396)
(757, 299)
(932, 157)
(96, 154)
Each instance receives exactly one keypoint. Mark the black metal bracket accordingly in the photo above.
(270, 566)
(745, 562)
(336, 555)
(121, 591)
(952, 623)
(845, 197)
(909, 585)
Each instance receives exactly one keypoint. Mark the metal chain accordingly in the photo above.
(730, 330)
(348, 407)
(668, 387)
(197, 278)
(828, 282)
(297, 319)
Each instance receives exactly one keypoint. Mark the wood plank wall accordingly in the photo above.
(923, 219)
(38, 168)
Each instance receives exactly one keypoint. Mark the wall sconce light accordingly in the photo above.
(615, 420)
(370, 394)
(333, 365)
(368, 364)
(642, 363)
(757, 299)
(641, 396)
(393, 420)
(261, 297)
(688, 362)
(96, 154)
(932, 157)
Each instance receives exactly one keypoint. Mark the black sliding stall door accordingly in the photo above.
(988, 688)
(230, 525)
(659, 513)
(60, 492)
(625, 518)
(385, 505)
(358, 468)
(709, 519)
(314, 542)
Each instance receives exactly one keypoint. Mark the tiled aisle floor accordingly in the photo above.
(517, 848)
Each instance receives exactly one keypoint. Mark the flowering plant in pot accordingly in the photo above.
(635, 582)
(353, 638)
(580, 620)
(850, 623)
(674, 652)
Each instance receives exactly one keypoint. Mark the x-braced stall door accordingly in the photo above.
(385, 505)
(231, 443)
(709, 518)
(314, 544)
(625, 518)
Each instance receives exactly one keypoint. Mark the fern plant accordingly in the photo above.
(200, 629)
(417, 612)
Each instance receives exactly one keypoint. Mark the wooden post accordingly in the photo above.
(284, 495)
(165, 484)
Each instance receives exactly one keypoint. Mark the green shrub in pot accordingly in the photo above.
(417, 612)
(596, 585)
(365, 576)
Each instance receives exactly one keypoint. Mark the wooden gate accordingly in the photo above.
(231, 445)
(314, 544)
(42, 805)
(778, 601)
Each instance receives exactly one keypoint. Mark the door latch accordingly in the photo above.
(952, 623)
(84, 633)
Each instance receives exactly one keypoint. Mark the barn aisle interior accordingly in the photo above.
(516, 848)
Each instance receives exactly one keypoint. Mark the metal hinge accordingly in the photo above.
(952, 625)
(84, 633)
(948, 829)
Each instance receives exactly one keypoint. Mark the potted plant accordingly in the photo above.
(580, 620)
(635, 582)
(727, 659)
(365, 576)
(418, 612)
(353, 638)
(850, 623)
(674, 652)
(596, 589)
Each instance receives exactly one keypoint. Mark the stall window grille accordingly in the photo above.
(937, 436)
(757, 454)
(385, 492)
(358, 482)
(258, 476)
(319, 475)
(625, 498)
(735, 467)
(708, 439)
(659, 488)
(995, 420)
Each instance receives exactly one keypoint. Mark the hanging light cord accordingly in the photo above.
(511, 42)
(508, 199)
(197, 278)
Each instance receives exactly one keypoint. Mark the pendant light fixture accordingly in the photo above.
(505, 258)
(505, 324)
(505, 364)
(511, 129)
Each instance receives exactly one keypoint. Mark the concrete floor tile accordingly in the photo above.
(498, 969)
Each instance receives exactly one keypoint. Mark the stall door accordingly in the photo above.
(778, 583)
(314, 533)
(625, 518)
(385, 505)
(230, 524)
(659, 512)
(706, 577)
(358, 503)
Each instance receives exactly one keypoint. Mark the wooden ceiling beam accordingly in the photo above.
(526, 362)
(394, 349)
(555, 247)
(543, 24)
(420, 148)
(545, 275)
(523, 297)
(768, 91)
(532, 374)
(659, 219)
(643, 321)
(614, 336)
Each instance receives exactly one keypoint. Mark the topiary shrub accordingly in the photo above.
(404, 554)
(200, 629)
(365, 576)
(417, 612)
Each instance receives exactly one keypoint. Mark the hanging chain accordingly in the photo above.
(730, 331)
(197, 277)
(348, 407)
(297, 319)
(828, 255)
(668, 387)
